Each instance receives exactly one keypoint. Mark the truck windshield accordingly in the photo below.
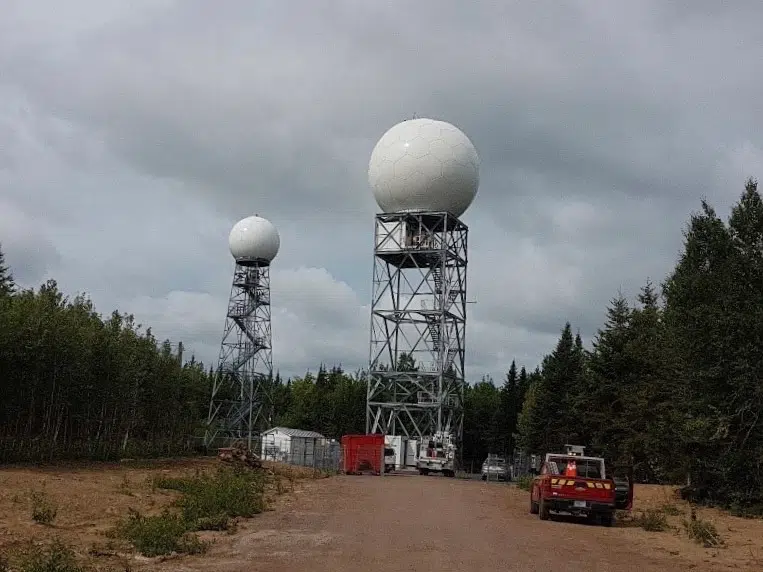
(586, 468)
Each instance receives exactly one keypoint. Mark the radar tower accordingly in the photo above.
(241, 405)
(424, 175)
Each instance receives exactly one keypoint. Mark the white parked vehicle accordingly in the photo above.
(437, 455)
(495, 469)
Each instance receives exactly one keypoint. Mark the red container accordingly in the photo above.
(362, 453)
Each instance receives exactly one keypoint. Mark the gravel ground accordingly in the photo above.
(413, 523)
(364, 523)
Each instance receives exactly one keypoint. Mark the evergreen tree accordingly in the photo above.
(604, 400)
(698, 295)
(508, 412)
(406, 362)
(7, 286)
(548, 420)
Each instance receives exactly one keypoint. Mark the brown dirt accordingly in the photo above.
(397, 522)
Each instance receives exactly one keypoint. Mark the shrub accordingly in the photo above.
(158, 535)
(44, 510)
(524, 482)
(670, 509)
(702, 531)
(230, 493)
(57, 557)
(652, 520)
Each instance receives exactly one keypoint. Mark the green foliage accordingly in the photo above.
(673, 388)
(550, 413)
(481, 432)
(44, 510)
(332, 403)
(76, 385)
(159, 535)
(702, 531)
(228, 494)
(670, 509)
(7, 286)
(57, 557)
(207, 502)
(652, 520)
(524, 482)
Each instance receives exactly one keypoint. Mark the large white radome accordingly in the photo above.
(254, 238)
(424, 165)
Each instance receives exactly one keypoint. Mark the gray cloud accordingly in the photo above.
(133, 135)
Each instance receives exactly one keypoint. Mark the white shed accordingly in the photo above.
(293, 446)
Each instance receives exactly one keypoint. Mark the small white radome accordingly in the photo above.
(254, 238)
(424, 165)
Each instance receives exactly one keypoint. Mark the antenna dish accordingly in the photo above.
(254, 239)
(424, 165)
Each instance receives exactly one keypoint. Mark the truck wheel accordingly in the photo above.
(606, 519)
(533, 506)
(543, 511)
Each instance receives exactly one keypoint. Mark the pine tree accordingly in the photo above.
(548, 420)
(508, 411)
(7, 285)
(605, 398)
(713, 313)
(406, 362)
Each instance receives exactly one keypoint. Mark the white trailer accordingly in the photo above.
(398, 444)
(412, 453)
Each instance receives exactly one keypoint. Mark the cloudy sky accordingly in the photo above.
(133, 134)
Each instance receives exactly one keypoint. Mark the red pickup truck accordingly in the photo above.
(574, 484)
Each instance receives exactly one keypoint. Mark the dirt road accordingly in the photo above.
(417, 523)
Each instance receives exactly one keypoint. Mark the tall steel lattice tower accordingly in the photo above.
(241, 405)
(424, 175)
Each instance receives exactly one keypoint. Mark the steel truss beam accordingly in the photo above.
(241, 404)
(418, 310)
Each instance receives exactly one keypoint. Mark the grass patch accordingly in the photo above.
(652, 520)
(159, 535)
(57, 557)
(671, 509)
(44, 510)
(125, 487)
(524, 482)
(702, 531)
(230, 493)
(208, 501)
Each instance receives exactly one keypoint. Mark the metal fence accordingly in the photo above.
(519, 465)
(317, 453)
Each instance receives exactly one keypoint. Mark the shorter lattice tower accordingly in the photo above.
(424, 175)
(241, 404)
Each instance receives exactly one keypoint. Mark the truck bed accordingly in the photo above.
(578, 494)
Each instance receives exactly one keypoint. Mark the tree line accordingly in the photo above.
(670, 385)
(673, 384)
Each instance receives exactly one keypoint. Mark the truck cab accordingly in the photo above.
(576, 484)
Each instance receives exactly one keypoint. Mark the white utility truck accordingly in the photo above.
(437, 455)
